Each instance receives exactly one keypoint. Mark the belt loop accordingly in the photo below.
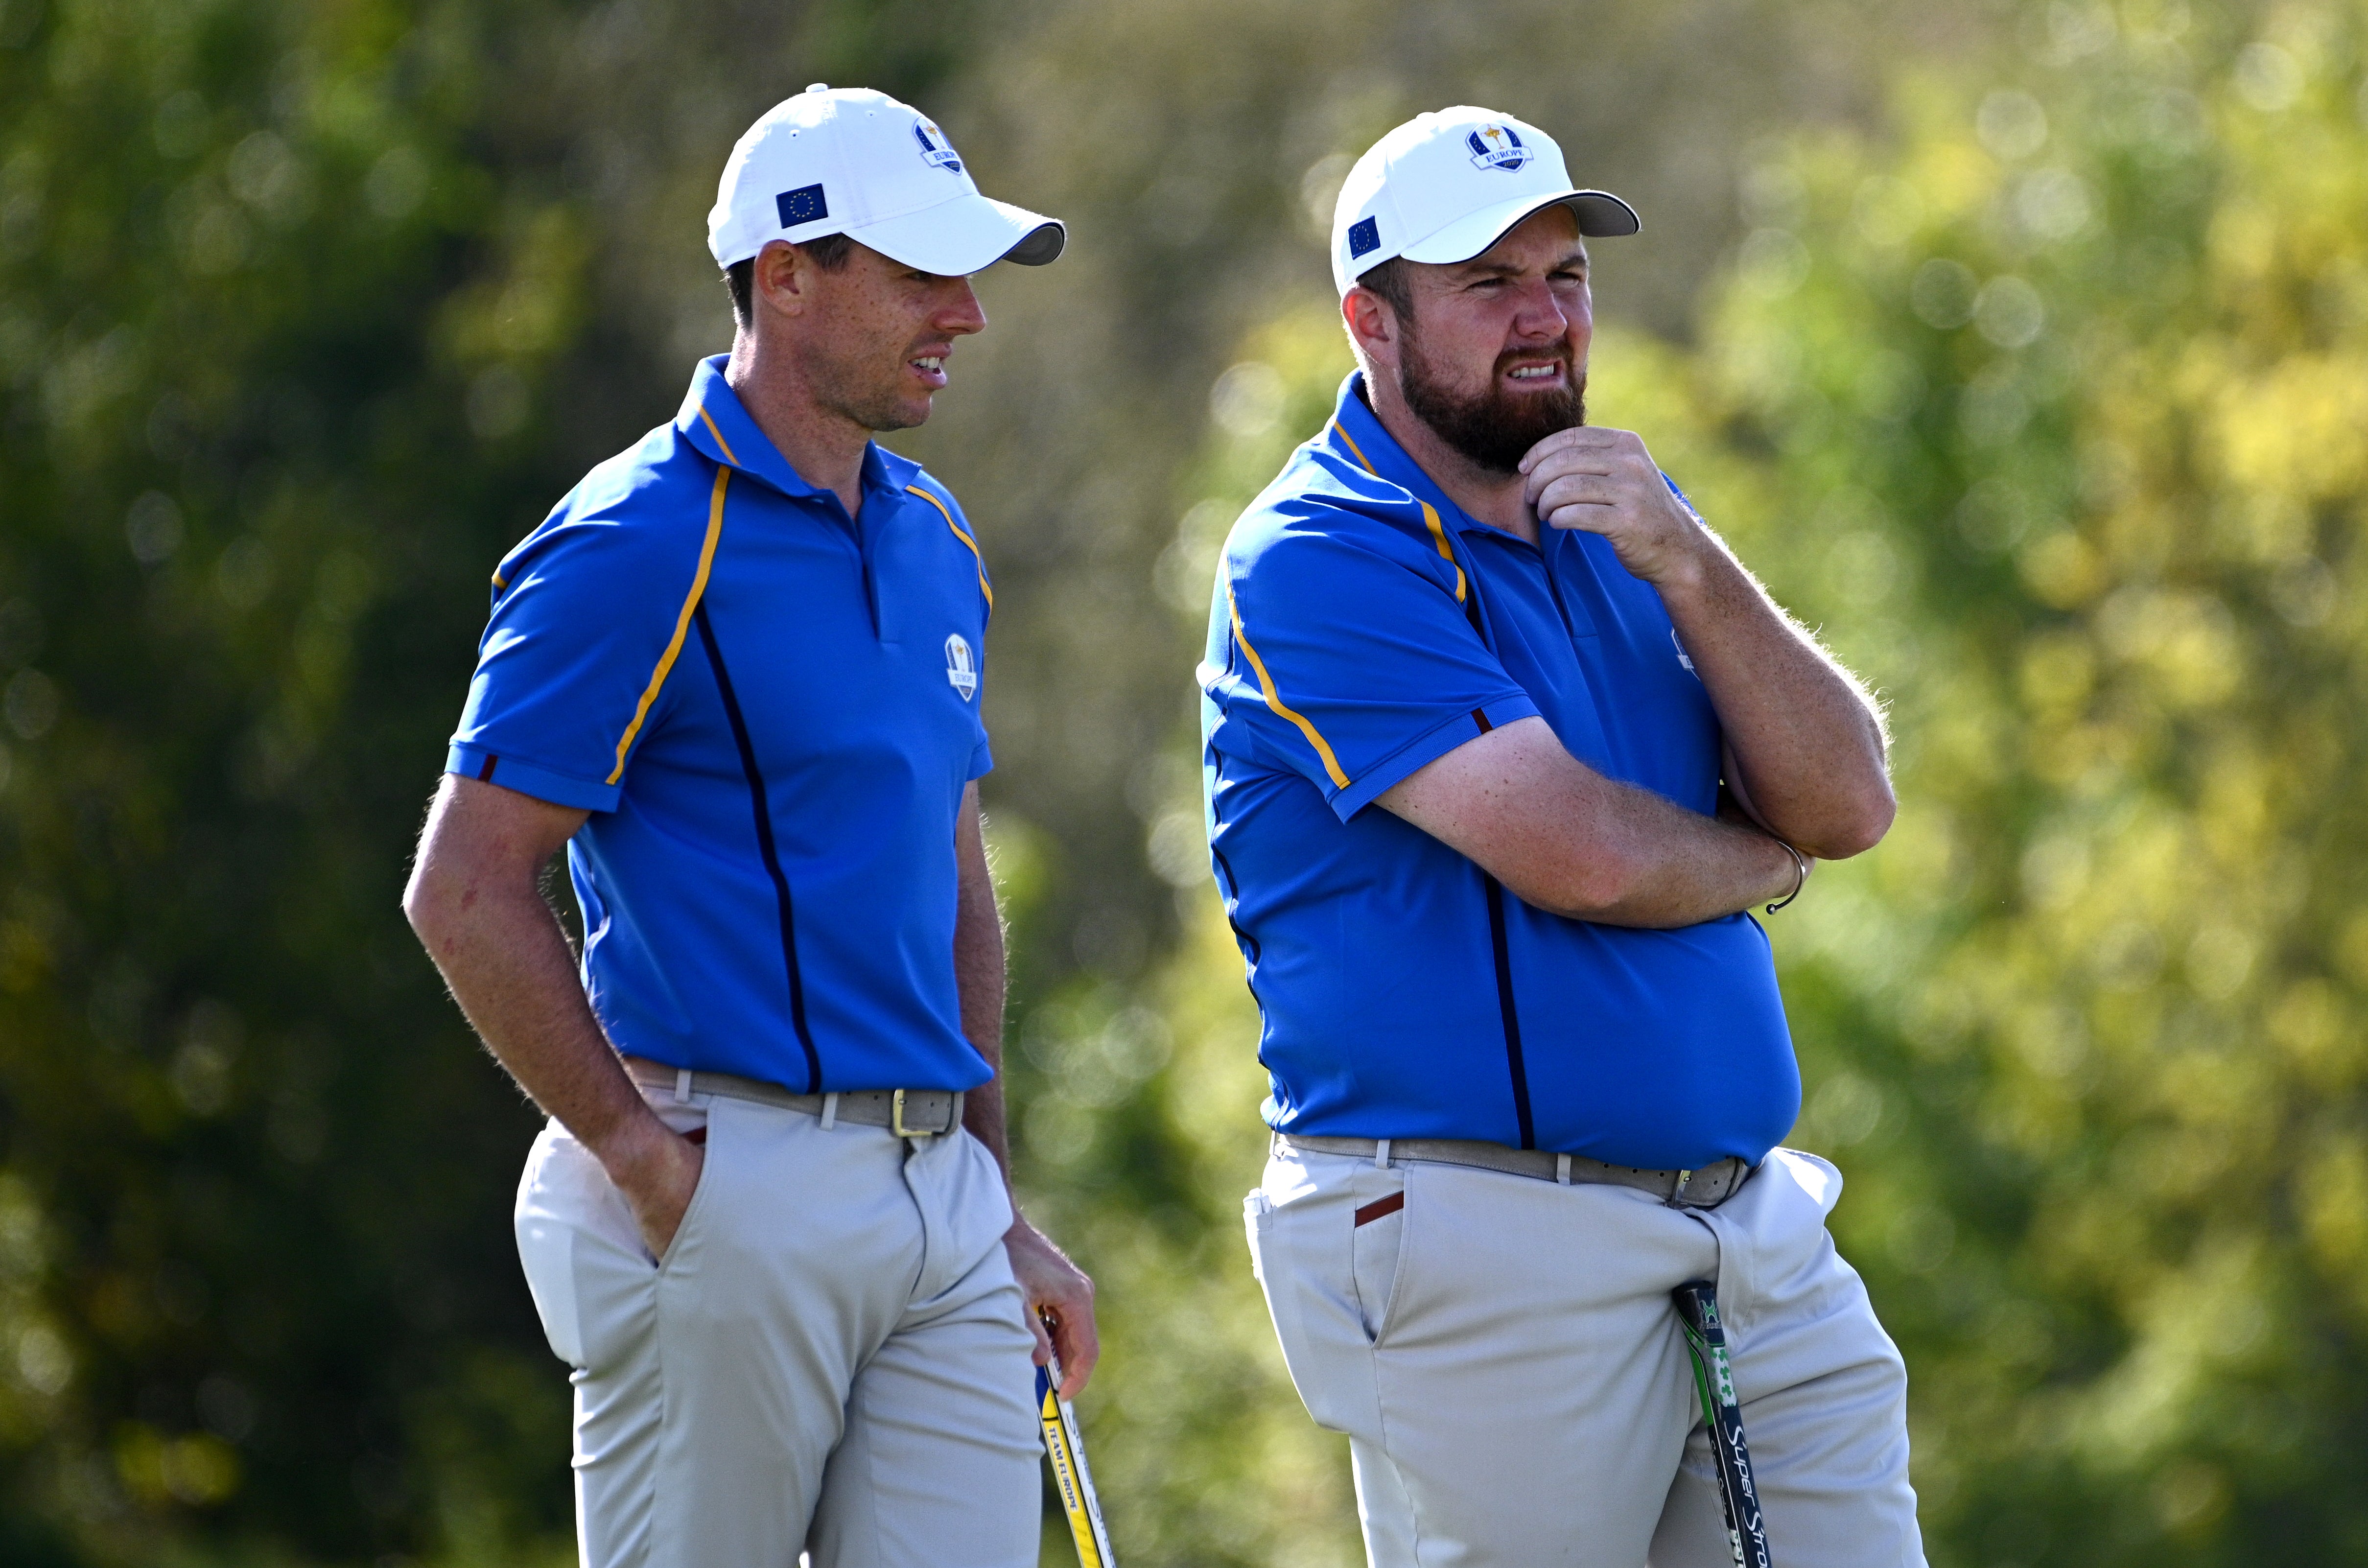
(1677, 1193)
(1381, 1154)
(829, 1112)
(682, 1086)
(1562, 1169)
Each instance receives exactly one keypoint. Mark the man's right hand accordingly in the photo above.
(658, 1178)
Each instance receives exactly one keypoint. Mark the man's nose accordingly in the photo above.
(1538, 314)
(959, 311)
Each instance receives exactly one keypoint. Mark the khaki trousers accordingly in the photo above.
(830, 1358)
(1504, 1357)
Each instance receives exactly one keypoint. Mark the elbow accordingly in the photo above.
(1858, 828)
(422, 907)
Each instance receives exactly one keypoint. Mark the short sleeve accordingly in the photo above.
(1351, 663)
(572, 668)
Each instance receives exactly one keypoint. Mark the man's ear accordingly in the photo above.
(1373, 326)
(784, 279)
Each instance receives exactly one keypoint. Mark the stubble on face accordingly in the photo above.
(856, 382)
(1495, 428)
(860, 306)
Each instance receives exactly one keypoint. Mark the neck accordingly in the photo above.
(824, 445)
(1485, 496)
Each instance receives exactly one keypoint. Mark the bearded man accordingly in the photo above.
(1530, 1061)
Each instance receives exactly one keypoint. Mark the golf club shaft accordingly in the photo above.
(1747, 1530)
(1075, 1479)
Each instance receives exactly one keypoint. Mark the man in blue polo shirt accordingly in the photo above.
(736, 673)
(1502, 746)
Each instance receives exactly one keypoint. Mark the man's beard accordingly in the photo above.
(1495, 430)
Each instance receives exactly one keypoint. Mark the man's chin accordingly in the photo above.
(1496, 430)
(907, 416)
(1499, 433)
(891, 412)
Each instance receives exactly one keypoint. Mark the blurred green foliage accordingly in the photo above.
(2023, 350)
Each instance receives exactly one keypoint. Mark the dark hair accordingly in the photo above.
(829, 252)
(1394, 282)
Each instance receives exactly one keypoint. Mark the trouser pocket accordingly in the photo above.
(1376, 1242)
(1302, 1229)
(1257, 1218)
(590, 1275)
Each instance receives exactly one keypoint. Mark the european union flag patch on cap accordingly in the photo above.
(1364, 236)
(803, 205)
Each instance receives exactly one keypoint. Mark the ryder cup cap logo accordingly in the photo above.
(1497, 147)
(962, 668)
(936, 150)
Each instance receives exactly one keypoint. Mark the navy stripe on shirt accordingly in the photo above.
(765, 846)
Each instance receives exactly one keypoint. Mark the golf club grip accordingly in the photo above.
(1747, 1527)
(1071, 1477)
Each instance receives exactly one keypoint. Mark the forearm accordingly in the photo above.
(1657, 864)
(1805, 739)
(1565, 839)
(508, 964)
(474, 902)
(979, 984)
(1060, 1298)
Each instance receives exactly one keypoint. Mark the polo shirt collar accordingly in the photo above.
(1358, 436)
(713, 420)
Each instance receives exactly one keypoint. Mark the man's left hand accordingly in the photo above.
(1604, 482)
(1052, 1284)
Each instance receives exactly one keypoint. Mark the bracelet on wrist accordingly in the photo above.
(1800, 877)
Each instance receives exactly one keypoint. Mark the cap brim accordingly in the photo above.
(1600, 214)
(968, 234)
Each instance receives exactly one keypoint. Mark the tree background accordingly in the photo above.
(2023, 350)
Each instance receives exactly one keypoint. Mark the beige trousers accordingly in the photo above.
(830, 1358)
(1503, 1357)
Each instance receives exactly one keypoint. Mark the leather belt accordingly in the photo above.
(908, 1113)
(1704, 1189)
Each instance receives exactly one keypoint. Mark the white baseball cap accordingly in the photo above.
(1446, 185)
(851, 161)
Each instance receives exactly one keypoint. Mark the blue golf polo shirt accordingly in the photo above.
(770, 710)
(1363, 626)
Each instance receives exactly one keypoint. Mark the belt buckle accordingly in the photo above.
(896, 1119)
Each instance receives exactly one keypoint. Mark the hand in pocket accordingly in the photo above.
(658, 1183)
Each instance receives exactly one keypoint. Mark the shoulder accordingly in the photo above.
(932, 492)
(644, 517)
(1324, 507)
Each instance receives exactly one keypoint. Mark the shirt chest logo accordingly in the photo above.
(962, 667)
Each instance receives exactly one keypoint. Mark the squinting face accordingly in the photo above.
(1494, 360)
(875, 344)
